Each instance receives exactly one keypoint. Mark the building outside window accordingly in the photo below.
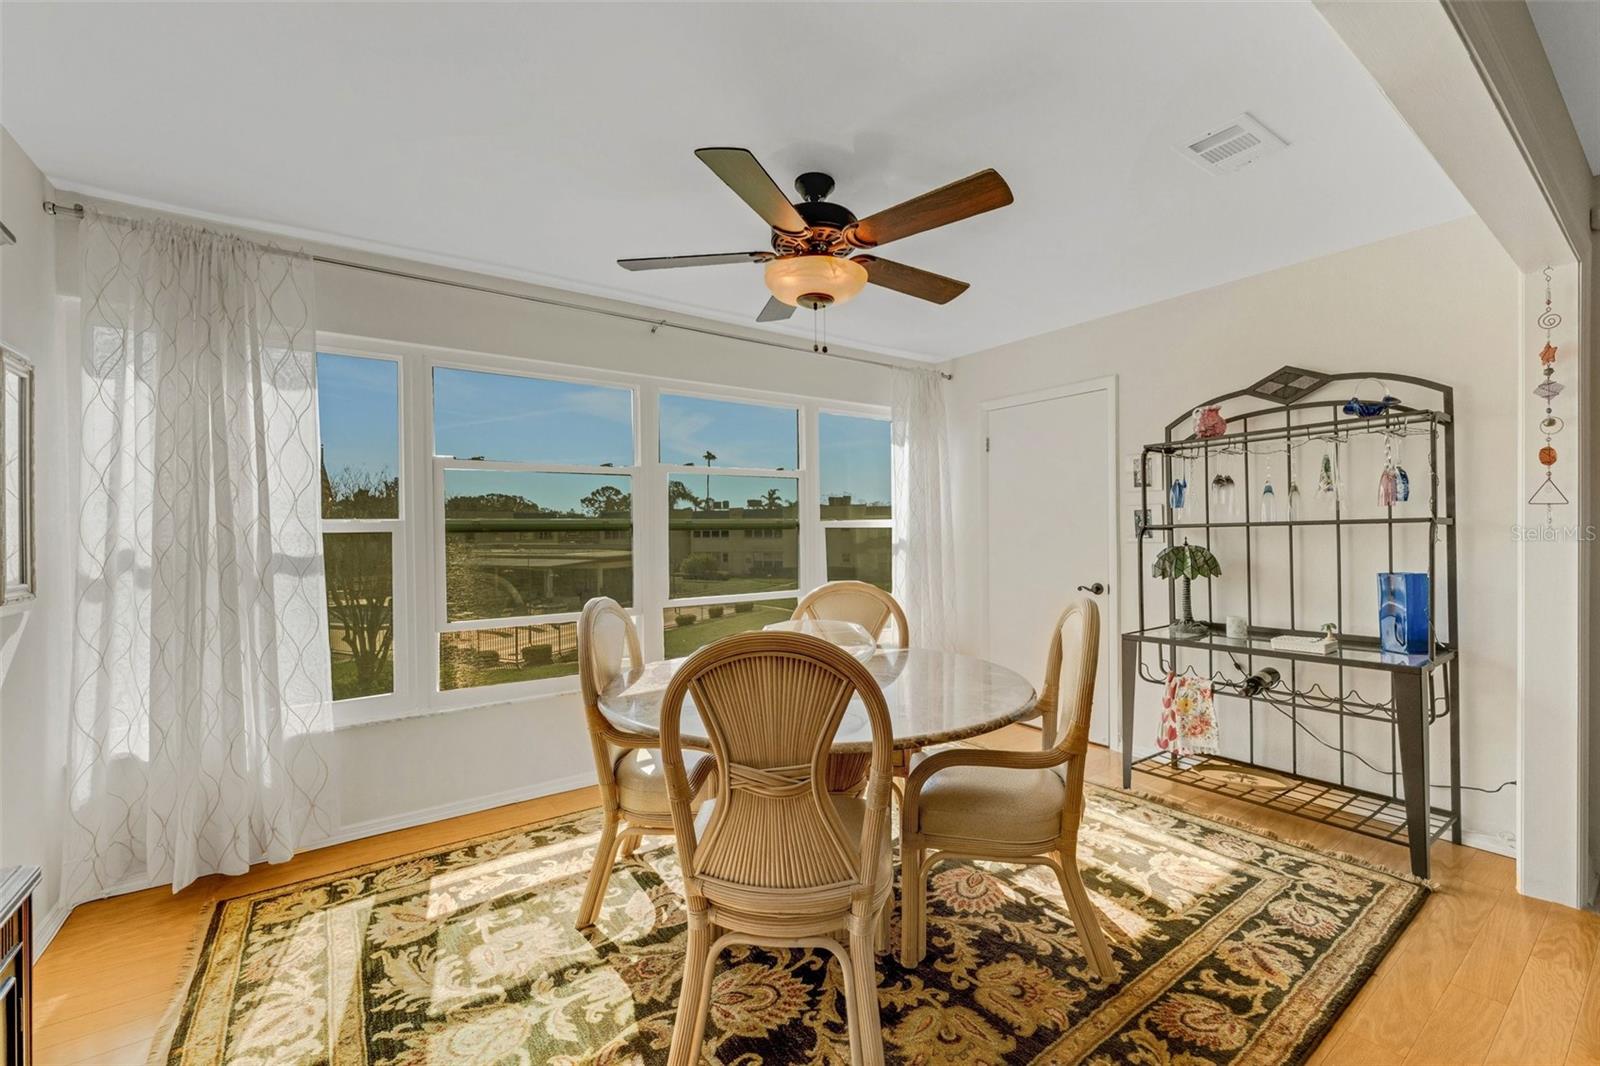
(857, 523)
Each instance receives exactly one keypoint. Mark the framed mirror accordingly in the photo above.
(17, 499)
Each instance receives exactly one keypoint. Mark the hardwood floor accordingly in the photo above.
(1482, 975)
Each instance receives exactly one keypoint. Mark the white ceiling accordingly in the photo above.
(1570, 31)
(545, 141)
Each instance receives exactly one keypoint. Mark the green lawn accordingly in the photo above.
(684, 588)
(681, 640)
(477, 676)
(346, 685)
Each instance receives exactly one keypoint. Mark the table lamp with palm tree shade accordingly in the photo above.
(1187, 561)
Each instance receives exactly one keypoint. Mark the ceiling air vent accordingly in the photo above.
(1234, 146)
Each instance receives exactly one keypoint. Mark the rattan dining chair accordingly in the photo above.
(779, 861)
(1012, 806)
(633, 790)
(866, 605)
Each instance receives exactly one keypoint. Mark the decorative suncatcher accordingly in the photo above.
(1548, 495)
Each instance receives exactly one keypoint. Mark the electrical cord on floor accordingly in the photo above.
(1308, 731)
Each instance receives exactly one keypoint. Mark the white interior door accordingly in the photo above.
(1051, 478)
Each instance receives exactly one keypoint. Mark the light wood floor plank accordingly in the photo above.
(1496, 959)
(1459, 1031)
(1584, 1050)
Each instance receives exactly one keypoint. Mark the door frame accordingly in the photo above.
(1110, 627)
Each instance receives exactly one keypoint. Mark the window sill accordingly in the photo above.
(18, 604)
(357, 717)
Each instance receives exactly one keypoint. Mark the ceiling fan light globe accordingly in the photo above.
(795, 277)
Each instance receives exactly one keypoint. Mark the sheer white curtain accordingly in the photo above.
(201, 707)
(924, 558)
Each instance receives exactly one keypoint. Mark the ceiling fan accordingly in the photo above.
(813, 263)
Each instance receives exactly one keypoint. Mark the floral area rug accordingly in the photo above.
(1234, 948)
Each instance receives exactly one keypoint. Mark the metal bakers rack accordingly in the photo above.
(1288, 409)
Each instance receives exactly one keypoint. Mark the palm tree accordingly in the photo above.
(1187, 561)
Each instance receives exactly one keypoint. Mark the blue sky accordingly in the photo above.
(738, 434)
(854, 454)
(531, 420)
(359, 401)
(512, 418)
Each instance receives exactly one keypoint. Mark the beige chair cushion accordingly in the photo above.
(852, 811)
(641, 785)
(992, 803)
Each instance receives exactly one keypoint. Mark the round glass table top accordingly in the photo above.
(932, 696)
(844, 634)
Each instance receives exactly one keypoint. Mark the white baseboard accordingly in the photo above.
(1488, 842)
(377, 826)
(47, 927)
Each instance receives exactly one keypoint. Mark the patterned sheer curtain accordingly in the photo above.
(201, 709)
(924, 558)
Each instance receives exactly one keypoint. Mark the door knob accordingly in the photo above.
(1098, 588)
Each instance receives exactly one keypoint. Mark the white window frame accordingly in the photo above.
(474, 695)
(825, 524)
(804, 475)
(420, 614)
(386, 704)
(14, 594)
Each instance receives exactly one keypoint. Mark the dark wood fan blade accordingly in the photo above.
(746, 176)
(666, 261)
(984, 191)
(775, 311)
(923, 284)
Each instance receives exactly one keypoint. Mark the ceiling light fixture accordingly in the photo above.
(815, 281)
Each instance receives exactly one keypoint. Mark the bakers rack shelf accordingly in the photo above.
(1289, 409)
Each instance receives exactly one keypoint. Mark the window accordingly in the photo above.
(473, 504)
(16, 503)
(857, 524)
(536, 478)
(359, 415)
(733, 539)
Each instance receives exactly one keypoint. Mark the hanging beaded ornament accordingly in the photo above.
(1547, 495)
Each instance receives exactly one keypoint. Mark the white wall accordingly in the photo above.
(33, 648)
(1441, 303)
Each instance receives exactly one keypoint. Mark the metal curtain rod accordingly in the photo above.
(76, 211)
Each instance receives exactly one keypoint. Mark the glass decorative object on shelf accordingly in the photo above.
(1371, 408)
(1222, 493)
(1208, 422)
(1394, 485)
(1328, 479)
(1294, 490)
(1186, 562)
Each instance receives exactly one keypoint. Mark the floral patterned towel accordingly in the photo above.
(1188, 717)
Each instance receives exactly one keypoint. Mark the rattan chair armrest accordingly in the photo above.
(999, 759)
